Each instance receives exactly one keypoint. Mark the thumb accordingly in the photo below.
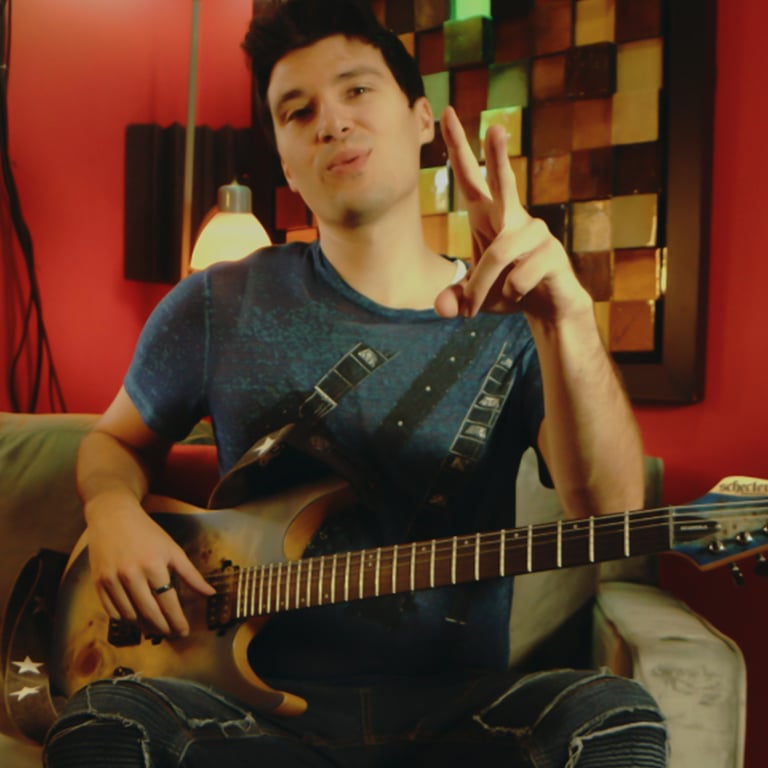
(448, 302)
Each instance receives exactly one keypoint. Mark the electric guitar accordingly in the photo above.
(253, 556)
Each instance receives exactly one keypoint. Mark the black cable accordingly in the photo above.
(33, 331)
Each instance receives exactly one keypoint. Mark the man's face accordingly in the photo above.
(348, 141)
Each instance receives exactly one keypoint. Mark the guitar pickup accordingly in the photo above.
(123, 633)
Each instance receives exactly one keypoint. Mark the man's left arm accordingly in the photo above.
(589, 436)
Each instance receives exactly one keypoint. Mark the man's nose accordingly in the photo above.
(333, 122)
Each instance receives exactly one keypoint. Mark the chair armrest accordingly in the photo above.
(696, 674)
(19, 754)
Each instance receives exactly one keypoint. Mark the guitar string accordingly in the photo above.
(575, 530)
(571, 532)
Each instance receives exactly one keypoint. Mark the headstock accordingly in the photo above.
(725, 526)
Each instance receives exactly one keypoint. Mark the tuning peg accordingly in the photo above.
(761, 567)
(737, 574)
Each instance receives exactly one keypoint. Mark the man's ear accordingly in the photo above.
(426, 117)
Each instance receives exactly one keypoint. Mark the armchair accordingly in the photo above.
(696, 674)
(625, 621)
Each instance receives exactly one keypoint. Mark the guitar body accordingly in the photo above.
(87, 648)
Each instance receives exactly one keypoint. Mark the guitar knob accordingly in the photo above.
(761, 567)
(744, 538)
(737, 574)
(715, 546)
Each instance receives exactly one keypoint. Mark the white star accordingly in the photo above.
(264, 447)
(22, 693)
(28, 666)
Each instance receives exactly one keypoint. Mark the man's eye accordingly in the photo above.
(301, 113)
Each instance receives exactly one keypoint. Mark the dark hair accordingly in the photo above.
(282, 26)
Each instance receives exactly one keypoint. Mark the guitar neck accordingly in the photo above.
(328, 579)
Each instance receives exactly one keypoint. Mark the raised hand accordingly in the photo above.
(517, 263)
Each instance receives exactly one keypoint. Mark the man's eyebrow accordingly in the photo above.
(363, 69)
(347, 74)
(294, 93)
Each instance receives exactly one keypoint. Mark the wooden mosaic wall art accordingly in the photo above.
(587, 91)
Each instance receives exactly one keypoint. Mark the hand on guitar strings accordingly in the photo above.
(137, 566)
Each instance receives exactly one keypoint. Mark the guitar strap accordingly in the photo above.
(468, 444)
(302, 425)
(438, 376)
(27, 633)
(305, 431)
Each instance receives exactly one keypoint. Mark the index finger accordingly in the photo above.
(501, 178)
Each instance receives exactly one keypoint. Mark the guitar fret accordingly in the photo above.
(239, 592)
(591, 539)
(477, 556)
(346, 576)
(559, 543)
(394, 569)
(333, 577)
(309, 583)
(298, 583)
(432, 563)
(362, 574)
(288, 585)
(503, 553)
(269, 589)
(453, 559)
(377, 572)
(320, 582)
(279, 570)
(413, 566)
(529, 550)
(251, 592)
(261, 591)
(626, 533)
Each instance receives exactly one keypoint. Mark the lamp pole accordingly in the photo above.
(189, 144)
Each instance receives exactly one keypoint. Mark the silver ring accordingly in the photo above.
(162, 588)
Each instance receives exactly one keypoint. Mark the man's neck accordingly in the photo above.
(388, 262)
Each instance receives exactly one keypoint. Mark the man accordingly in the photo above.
(422, 385)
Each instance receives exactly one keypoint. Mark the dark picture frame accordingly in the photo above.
(675, 373)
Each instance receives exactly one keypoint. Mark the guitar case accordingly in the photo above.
(29, 707)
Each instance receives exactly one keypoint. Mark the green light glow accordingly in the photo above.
(465, 9)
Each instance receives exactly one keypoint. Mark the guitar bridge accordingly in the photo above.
(221, 611)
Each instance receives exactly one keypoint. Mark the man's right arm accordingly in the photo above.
(130, 555)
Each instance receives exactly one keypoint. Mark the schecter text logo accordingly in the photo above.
(743, 486)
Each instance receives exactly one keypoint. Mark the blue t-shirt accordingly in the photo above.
(265, 341)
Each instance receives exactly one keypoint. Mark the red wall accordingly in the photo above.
(726, 433)
(82, 70)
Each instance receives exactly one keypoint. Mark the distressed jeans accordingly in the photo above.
(553, 719)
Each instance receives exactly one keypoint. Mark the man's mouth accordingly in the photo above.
(348, 160)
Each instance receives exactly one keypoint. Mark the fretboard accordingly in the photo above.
(328, 579)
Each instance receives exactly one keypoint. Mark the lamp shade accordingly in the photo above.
(231, 232)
